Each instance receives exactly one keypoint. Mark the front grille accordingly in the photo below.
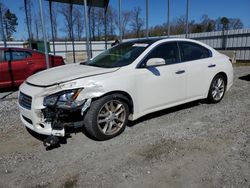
(25, 101)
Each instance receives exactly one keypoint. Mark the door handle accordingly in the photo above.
(29, 63)
(211, 65)
(180, 72)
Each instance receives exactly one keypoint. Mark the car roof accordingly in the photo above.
(152, 40)
(16, 48)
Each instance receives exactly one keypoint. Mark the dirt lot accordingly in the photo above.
(193, 145)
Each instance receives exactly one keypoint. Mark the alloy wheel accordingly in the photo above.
(218, 89)
(111, 117)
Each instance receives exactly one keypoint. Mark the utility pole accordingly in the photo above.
(120, 19)
(51, 25)
(44, 34)
(187, 6)
(72, 32)
(168, 18)
(87, 29)
(27, 20)
(147, 14)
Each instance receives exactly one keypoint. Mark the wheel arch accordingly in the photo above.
(224, 75)
(219, 73)
(122, 95)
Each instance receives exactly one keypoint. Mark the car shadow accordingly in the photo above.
(246, 77)
(166, 112)
(69, 131)
(10, 89)
(7, 91)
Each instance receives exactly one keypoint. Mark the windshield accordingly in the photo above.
(118, 56)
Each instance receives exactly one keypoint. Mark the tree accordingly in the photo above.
(100, 20)
(137, 22)
(235, 23)
(111, 20)
(92, 21)
(125, 19)
(28, 14)
(2, 10)
(207, 24)
(37, 23)
(178, 25)
(79, 22)
(224, 21)
(54, 20)
(68, 24)
(10, 23)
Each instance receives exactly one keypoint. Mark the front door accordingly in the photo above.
(163, 85)
(6, 76)
(21, 65)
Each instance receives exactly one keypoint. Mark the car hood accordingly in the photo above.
(66, 73)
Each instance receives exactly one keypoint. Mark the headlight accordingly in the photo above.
(65, 99)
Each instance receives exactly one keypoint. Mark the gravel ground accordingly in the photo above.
(192, 145)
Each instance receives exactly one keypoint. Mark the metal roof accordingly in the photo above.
(93, 3)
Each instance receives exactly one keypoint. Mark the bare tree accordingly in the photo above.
(207, 24)
(235, 23)
(125, 19)
(92, 21)
(68, 25)
(137, 22)
(54, 20)
(28, 5)
(79, 22)
(100, 23)
(111, 20)
(178, 25)
(37, 25)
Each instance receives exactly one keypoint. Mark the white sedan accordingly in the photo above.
(123, 83)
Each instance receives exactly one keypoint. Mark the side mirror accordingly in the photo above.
(155, 62)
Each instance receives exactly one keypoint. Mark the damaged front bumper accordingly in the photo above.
(53, 121)
(48, 120)
(60, 118)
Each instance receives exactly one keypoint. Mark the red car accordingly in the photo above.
(17, 64)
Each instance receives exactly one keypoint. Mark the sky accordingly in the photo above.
(157, 11)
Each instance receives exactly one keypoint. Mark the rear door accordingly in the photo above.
(196, 58)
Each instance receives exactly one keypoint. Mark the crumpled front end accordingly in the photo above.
(50, 110)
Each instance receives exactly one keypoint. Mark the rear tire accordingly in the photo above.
(217, 89)
(106, 118)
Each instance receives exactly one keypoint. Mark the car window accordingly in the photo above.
(19, 55)
(167, 51)
(191, 51)
(119, 56)
(7, 55)
(16, 55)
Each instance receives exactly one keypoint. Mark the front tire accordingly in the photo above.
(106, 118)
(217, 89)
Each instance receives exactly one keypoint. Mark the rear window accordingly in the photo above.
(192, 51)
